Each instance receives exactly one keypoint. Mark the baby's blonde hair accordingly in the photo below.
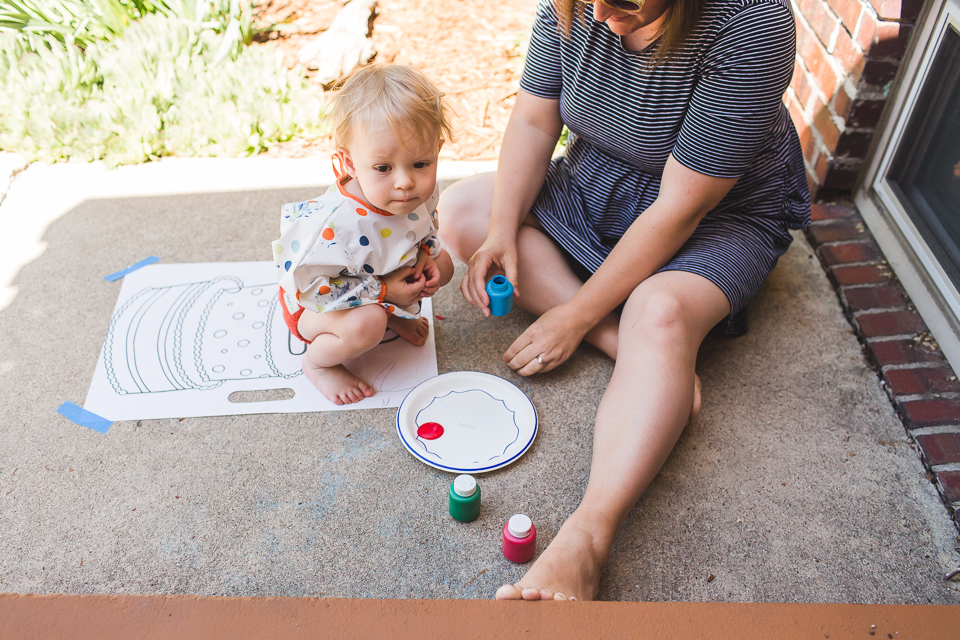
(396, 94)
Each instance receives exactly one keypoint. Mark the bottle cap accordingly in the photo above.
(499, 283)
(519, 525)
(464, 486)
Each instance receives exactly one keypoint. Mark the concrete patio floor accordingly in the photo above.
(796, 483)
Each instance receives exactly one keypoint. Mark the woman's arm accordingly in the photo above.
(654, 237)
(528, 144)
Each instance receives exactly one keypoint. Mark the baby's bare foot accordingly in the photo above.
(413, 331)
(568, 569)
(338, 385)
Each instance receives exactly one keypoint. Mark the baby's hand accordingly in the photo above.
(422, 258)
(431, 274)
(404, 286)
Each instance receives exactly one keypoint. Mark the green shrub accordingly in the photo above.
(166, 85)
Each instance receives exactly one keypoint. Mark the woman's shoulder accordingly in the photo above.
(718, 13)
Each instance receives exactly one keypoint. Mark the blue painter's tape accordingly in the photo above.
(119, 274)
(83, 417)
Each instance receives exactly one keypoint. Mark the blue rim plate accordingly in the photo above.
(487, 422)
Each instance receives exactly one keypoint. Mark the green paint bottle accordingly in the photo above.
(464, 498)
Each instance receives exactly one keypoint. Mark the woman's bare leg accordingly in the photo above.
(643, 411)
(662, 327)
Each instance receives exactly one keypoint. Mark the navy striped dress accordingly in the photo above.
(716, 105)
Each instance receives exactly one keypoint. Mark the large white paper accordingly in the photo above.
(184, 338)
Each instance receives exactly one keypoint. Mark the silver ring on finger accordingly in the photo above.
(540, 359)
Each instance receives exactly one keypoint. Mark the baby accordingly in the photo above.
(359, 258)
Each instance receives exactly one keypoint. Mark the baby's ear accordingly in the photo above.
(346, 162)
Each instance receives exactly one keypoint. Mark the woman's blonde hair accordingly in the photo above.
(396, 94)
(681, 16)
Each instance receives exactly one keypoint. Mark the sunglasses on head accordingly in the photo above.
(626, 6)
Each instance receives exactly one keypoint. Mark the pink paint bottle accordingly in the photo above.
(519, 539)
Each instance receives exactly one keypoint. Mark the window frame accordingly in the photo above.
(933, 293)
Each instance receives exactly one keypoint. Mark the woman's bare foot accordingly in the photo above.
(338, 385)
(697, 398)
(568, 569)
(413, 331)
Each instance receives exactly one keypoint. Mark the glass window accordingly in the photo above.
(925, 172)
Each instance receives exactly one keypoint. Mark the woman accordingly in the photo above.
(681, 179)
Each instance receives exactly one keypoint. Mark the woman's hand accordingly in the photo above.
(495, 256)
(554, 337)
(404, 286)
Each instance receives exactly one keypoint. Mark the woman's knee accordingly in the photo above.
(464, 212)
(673, 306)
(655, 314)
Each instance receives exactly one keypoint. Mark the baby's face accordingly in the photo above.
(394, 174)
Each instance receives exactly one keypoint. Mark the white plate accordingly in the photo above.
(487, 422)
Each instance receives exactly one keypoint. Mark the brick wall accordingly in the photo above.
(848, 53)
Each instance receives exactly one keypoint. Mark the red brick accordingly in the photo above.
(940, 448)
(848, 10)
(931, 413)
(812, 185)
(874, 297)
(847, 53)
(866, 113)
(878, 72)
(825, 79)
(847, 252)
(950, 485)
(820, 168)
(842, 103)
(815, 58)
(890, 352)
(795, 109)
(832, 211)
(840, 179)
(808, 143)
(823, 123)
(910, 10)
(897, 10)
(837, 230)
(890, 323)
(907, 382)
(854, 144)
(891, 40)
(863, 274)
(801, 86)
(821, 19)
(867, 31)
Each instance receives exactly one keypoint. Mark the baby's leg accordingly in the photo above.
(413, 331)
(338, 336)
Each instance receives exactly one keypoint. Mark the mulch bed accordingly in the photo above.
(470, 48)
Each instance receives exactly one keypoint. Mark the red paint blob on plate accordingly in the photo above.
(430, 430)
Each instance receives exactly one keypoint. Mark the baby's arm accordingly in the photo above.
(403, 286)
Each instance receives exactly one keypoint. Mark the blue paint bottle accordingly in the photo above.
(501, 295)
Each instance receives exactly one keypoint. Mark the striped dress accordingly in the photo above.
(716, 105)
